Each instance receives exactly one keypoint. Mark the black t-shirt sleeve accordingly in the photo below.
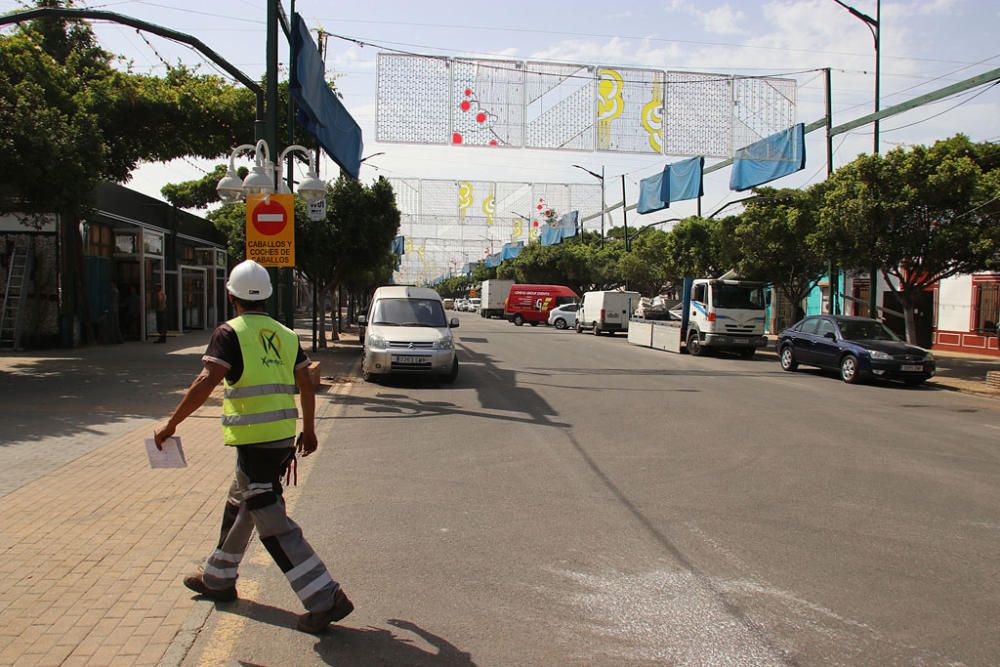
(224, 349)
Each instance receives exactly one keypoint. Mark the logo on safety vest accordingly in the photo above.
(271, 345)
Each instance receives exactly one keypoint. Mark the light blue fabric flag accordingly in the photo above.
(649, 194)
(568, 224)
(399, 245)
(551, 234)
(683, 180)
(763, 161)
(511, 250)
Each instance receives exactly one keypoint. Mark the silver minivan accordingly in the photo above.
(407, 331)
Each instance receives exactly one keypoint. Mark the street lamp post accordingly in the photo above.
(875, 27)
(599, 177)
(265, 179)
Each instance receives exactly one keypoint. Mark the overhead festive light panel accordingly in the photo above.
(531, 104)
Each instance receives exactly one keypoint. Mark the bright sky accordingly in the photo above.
(926, 44)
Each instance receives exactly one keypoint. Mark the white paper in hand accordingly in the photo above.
(171, 456)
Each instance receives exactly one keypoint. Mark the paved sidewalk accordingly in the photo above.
(93, 552)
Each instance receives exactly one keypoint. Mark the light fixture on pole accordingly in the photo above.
(261, 179)
(874, 26)
(599, 177)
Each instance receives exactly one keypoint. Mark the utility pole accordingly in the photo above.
(875, 27)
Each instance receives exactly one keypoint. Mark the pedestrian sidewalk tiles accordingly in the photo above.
(93, 553)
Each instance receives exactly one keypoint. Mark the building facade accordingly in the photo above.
(133, 247)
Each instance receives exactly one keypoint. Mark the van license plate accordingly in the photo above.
(910, 368)
(409, 360)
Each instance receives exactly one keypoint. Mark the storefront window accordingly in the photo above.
(125, 244)
(97, 240)
(987, 307)
(152, 243)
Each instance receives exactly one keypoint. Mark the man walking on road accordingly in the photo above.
(261, 362)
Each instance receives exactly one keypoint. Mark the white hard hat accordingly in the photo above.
(249, 281)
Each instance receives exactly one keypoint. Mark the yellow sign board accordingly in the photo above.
(271, 230)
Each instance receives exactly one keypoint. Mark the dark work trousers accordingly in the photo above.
(256, 501)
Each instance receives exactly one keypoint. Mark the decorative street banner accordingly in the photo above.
(448, 224)
(531, 104)
(271, 230)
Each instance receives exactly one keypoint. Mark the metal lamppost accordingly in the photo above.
(599, 177)
(874, 26)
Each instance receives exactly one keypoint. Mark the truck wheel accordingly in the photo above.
(597, 329)
(849, 372)
(578, 327)
(694, 346)
(560, 323)
(518, 320)
(748, 353)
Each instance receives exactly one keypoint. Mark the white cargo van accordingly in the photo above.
(606, 311)
(408, 332)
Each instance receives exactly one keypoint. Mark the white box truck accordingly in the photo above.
(606, 311)
(493, 296)
(714, 314)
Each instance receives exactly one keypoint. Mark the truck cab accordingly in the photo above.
(724, 314)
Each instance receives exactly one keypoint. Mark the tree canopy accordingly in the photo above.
(920, 215)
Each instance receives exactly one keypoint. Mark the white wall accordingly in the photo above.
(955, 303)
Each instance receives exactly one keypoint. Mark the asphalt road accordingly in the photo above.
(574, 500)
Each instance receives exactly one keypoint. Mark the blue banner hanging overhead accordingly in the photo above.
(770, 158)
(563, 228)
(649, 194)
(683, 180)
(320, 112)
(511, 250)
(678, 181)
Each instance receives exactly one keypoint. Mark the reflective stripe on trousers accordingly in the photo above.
(255, 500)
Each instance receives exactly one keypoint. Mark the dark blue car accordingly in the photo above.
(859, 347)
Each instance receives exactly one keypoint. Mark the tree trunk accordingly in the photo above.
(334, 314)
(322, 318)
(910, 318)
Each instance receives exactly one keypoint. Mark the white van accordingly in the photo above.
(606, 312)
(408, 332)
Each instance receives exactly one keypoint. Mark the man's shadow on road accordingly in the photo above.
(342, 645)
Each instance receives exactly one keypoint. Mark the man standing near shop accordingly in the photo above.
(261, 362)
(161, 314)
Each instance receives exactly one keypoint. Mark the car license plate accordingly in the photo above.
(400, 359)
(911, 368)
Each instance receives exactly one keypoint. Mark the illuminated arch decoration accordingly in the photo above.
(558, 106)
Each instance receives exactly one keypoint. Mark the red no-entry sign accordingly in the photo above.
(271, 230)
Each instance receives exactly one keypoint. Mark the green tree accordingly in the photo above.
(775, 241)
(920, 215)
(455, 286)
(351, 246)
(699, 247)
(581, 264)
(69, 120)
(644, 268)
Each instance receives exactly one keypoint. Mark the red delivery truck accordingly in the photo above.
(532, 303)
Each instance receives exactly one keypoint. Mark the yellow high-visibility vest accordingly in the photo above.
(260, 406)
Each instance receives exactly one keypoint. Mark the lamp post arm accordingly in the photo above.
(857, 14)
(302, 149)
(113, 17)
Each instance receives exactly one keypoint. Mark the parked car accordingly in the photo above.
(461, 305)
(407, 332)
(564, 316)
(449, 304)
(859, 347)
(474, 304)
